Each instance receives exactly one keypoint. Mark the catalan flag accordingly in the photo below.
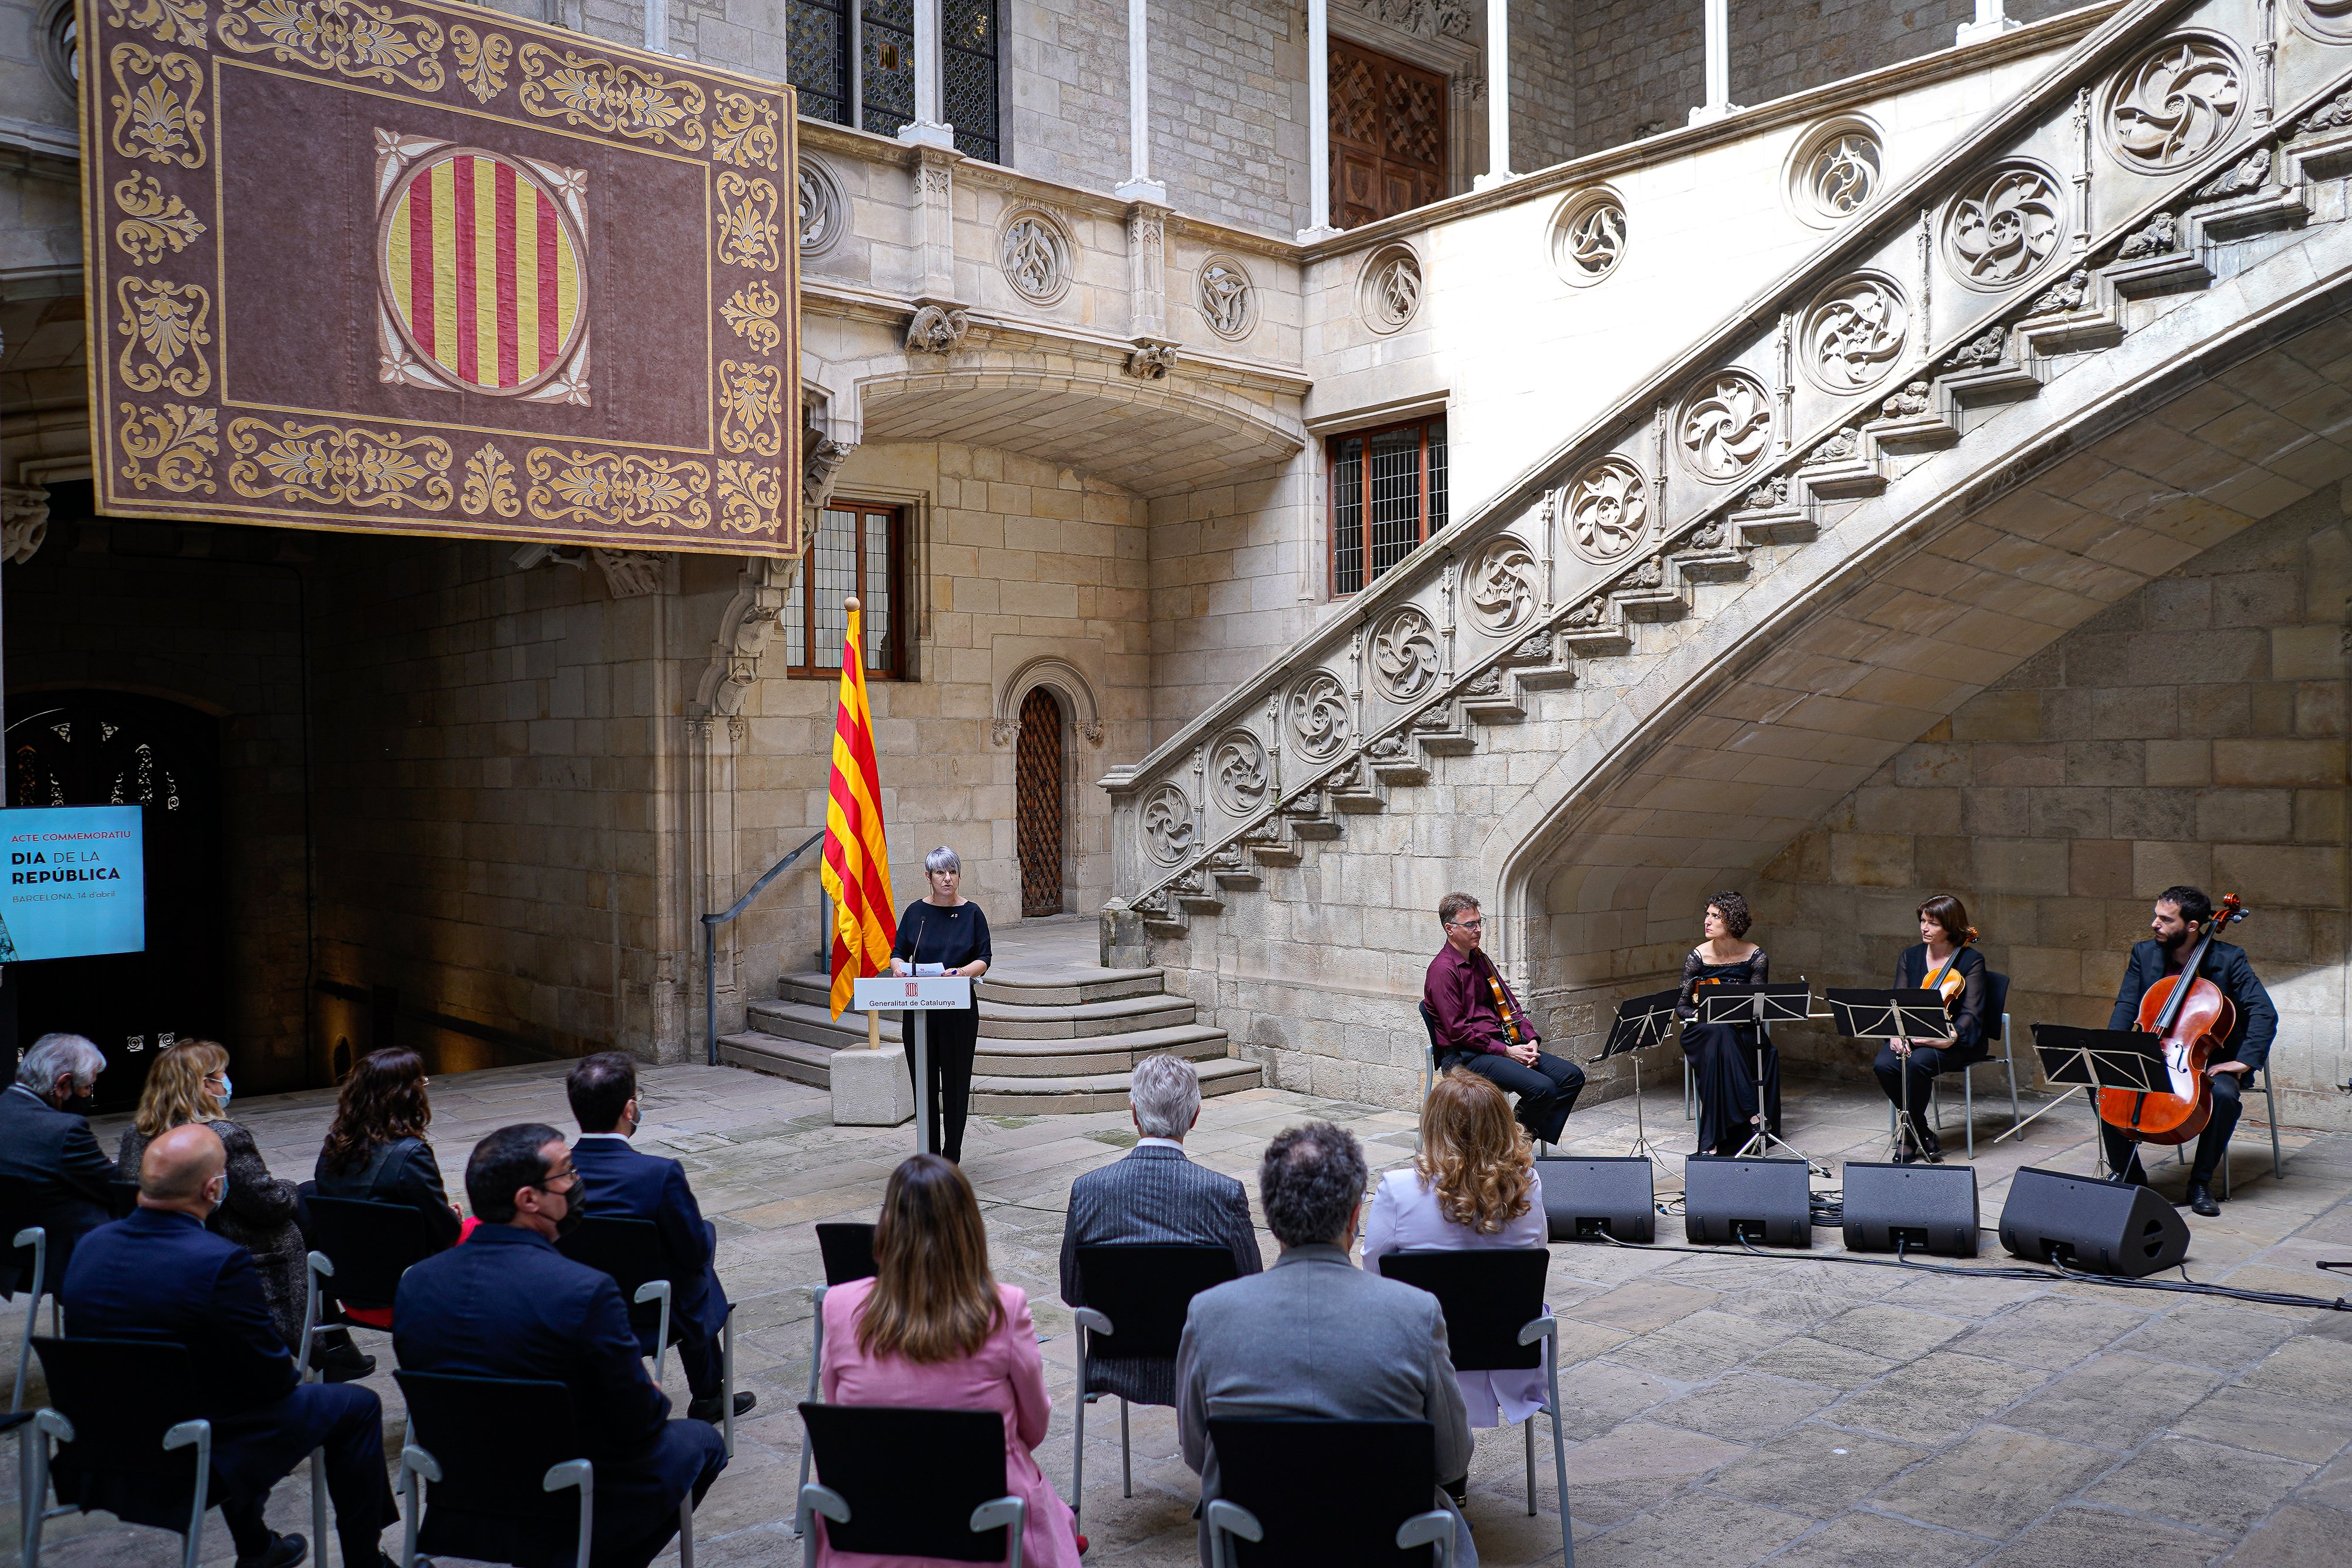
(483, 271)
(856, 871)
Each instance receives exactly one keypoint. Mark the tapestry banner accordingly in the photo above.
(422, 268)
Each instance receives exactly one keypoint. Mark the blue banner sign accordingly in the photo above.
(77, 883)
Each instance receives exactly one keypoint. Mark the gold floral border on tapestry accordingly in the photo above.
(338, 465)
(163, 129)
(619, 99)
(366, 43)
(178, 444)
(163, 324)
(617, 489)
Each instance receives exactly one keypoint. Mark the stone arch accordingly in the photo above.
(1912, 602)
(1067, 682)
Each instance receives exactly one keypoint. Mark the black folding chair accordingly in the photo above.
(126, 1408)
(847, 1248)
(1137, 1297)
(959, 1509)
(630, 1252)
(35, 1282)
(1280, 1484)
(365, 1246)
(1492, 1300)
(498, 1452)
(121, 1197)
(1429, 1071)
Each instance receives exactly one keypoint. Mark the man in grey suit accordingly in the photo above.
(1154, 1196)
(1314, 1336)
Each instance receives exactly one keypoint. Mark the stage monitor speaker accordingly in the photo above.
(1769, 1201)
(1911, 1208)
(1584, 1199)
(2097, 1226)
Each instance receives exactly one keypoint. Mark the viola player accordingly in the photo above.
(1480, 1026)
(1945, 962)
(2181, 916)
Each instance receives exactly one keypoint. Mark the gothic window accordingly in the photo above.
(1387, 490)
(854, 63)
(1388, 135)
(859, 548)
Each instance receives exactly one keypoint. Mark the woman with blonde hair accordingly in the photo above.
(1473, 1185)
(190, 1082)
(934, 1330)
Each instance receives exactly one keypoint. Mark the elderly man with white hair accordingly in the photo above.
(52, 1172)
(1155, 1197)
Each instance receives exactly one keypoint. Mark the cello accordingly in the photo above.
(2191, 1020)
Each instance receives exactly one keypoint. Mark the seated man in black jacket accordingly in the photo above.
(159, 1274)
(626, 1185)
(507, 1305)
(52, 1173)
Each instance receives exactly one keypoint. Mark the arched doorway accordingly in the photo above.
(1038, 797)
(117, 749)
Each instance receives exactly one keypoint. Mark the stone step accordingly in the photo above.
(1085, 1021)
(1021, 998)
(1074, 1089)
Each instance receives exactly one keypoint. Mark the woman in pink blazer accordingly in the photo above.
(1473, 1184)
(933, 1329)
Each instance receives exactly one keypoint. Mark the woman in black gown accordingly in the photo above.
(1946, 963)
(1723, 1056)
(944, 932)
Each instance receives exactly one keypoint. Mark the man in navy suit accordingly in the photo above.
(626, 1185)
(1154, 1196)
(507, 1305)
(159, 1274)
(2180, 918)
(52, 1172)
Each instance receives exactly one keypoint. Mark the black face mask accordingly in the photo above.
(79, 1105)
(573, 1212)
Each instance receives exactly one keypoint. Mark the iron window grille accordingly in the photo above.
(854, 63)
(1387, 494)
(858, 548)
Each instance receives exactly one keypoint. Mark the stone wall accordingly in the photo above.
(2193, 734)
(1237, 572)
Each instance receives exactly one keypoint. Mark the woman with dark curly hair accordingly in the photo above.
(1473, 1184)
(1722, 1055)
(375, 1148)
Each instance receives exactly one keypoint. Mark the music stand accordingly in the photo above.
(1642, 1023)
(1761, 1005)
(1892, 1016)
(2095, 1058)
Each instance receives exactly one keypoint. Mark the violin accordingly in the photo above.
(2192, 1020)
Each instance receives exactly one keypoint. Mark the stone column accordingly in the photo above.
(1991, 22)
(658, 25)
(1719, 65)
(1147, 270)
(1498, 95)
(1318, 123)
(1139, 186)
(928, 129)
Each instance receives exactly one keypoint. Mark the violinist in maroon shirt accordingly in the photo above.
(1480, 1026)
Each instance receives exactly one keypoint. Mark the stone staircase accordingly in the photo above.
(1477, 660)
(1052, 1038)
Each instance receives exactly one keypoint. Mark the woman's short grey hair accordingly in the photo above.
(54, 1055)
(1166, 1092)
(942, 859)
(1310, 1181)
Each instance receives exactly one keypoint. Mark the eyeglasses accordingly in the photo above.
(547, 1186)
(1470, 924)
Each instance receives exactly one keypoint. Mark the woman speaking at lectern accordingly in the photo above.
(944, 932)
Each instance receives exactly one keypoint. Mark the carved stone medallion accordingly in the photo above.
(1228, 299)
(1318, 716)
(1853, 333)
(2325, 18)
(1588, 237)
(1404, 656)
(820, 206)
(1726, 426)
(1607, 509)
(2002, 229)
(1834, 171)
(2174, 104)
(1499, 585)
(1238, 775)
(1035, 253)
(1389, 293)
(1165, 825)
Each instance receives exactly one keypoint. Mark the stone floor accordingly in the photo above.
(1723, 1409)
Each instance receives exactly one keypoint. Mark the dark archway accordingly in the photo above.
(1038, 803)
(120, 748)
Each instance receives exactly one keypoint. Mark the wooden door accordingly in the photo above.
(1388, 135)
(1037, 795)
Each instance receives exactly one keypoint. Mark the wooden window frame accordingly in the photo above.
(1332, 445)
(896, 578)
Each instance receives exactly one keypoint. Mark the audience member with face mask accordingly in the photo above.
(52, 1172)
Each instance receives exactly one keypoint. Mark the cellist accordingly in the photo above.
(2180, 918)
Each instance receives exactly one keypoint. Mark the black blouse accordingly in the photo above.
(1756, 969)
(1911, 972)
(954, 938)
